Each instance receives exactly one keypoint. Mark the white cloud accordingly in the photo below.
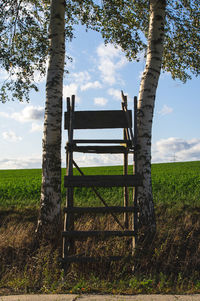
(177, 149)
(11, 136)
(3, 114)
(35, 127)
(115, 93)
(98, 160)
(81, 77)
(108, 51)
(20, 162)
(29, 113)
(100, 101)
(165, 110)
(69, 90)
(91, 85)
(34, 161)
(111, 59)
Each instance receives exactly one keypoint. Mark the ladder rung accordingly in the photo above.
(100, 234)
(86, 259)
(103, 141)
(110, 209)
(96, 149)
(103, 181)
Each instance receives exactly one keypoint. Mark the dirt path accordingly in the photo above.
(100, 298)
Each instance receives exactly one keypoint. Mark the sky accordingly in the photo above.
(96, 76)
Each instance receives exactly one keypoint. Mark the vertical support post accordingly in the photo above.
(135, 170)
(68, 243)
(125, 165)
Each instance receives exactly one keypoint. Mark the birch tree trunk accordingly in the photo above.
(49, 216)
(146, 100)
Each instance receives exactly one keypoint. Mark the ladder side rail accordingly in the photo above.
(125, 167)
(128, 120)
(135, 213)
(68, 243)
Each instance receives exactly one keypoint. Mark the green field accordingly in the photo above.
(173, 183)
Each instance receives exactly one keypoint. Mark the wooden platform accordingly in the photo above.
(96, 149)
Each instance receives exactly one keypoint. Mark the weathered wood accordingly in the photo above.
(90, 259)
(110, 209)
(100, 149)
(103, 181)
(103, 141)
(101, 234)
(125, 167)
(68, 244)
(135, 170)
(99, 119)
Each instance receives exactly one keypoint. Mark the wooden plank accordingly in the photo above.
(110, 209)
(103, 141)
(99, 119)
(101, 234)
(96, 149)
(90, 259)
(103, 181)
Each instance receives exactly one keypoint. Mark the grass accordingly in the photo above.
(173, 183)
(170, 265)
(176, 183)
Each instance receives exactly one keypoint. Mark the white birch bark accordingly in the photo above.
(146, 100)
(50, 206)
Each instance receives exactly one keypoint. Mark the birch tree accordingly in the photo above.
(49, 217)
(147, 93)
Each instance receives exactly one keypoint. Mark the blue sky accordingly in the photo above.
(97, 75)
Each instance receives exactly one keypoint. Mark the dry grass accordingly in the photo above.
(171, 263)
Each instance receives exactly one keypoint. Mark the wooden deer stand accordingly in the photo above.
(99, 120)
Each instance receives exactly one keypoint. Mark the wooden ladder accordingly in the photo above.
(99, 120)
